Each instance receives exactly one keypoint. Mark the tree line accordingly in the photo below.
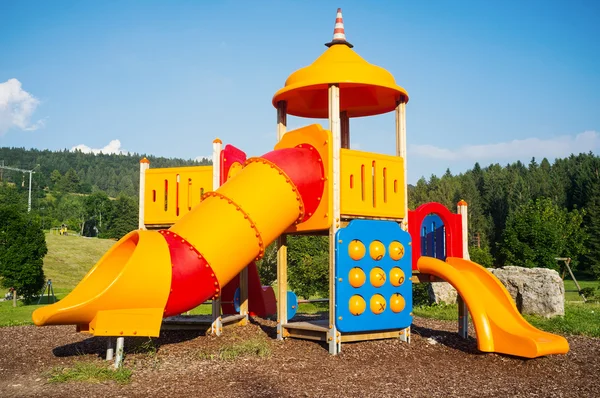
(523, 215)
(519, 214)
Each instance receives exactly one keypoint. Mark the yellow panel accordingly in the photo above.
(320, 139)
(372, 185)
(171, 193)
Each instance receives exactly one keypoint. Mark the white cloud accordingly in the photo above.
(17, 107)
(113, 147)
(556, 147)
(355, 145)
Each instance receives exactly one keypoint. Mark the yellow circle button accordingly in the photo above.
(357, 305)
(377, 277)
(396, 250)
(376, 250)
(356, 250)
(396, 276)
(397, 303)
(377, 304)
(357, 277)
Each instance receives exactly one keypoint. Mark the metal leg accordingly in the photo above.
(335, 341)
(463, 318)
(405, 335)
(120, 349)
(109, 350)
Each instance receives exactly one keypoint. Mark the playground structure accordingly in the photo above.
(202, 228)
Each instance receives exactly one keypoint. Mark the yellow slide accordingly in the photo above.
(149, 275)
(498, 323)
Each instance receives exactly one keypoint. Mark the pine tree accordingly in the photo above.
(592, 221)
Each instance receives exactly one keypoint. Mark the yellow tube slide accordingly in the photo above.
(151, 274)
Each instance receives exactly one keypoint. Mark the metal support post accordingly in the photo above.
(110, 351)
(463, 318)
(119, 354)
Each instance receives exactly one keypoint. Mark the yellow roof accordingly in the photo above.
(365, 89)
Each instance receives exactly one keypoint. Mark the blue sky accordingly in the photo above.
(488, 81)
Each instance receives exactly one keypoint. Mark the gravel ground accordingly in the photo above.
(436, 364)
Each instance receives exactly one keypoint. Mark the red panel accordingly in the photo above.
(261, 299)
(230, 155)
(304, 167)
(193, 281)
(453, 223)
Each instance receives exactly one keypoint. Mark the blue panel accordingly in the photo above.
(433, 242)
(292, 304)
(440, 243)
(368, 231)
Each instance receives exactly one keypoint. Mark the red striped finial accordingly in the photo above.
(339, 34)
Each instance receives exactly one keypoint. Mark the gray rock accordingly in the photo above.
(442, 292)
(536, 291)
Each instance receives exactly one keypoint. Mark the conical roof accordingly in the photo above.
(365, 89)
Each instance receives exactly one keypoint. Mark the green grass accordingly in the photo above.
(89, 372)
(313, 308)
(447, 312)
(256, 347)
(70, 257)
(19, 315)
(571, 290)
(579, 319)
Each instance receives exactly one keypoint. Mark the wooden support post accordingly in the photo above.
(282, 317)
(333, 337)
(144, 165)
(244, 295)
(109, 349)
(462, 210)
(463, 318)
(401, 151)
(14, 292)
(281, 119)
(345, 129)
(119, 353)
(567, 261)
(217, 321)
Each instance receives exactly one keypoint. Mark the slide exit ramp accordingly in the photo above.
(499, 325)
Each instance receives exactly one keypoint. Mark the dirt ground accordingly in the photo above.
(437, 363)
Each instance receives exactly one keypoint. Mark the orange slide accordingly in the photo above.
(499, 325)
(149, 275)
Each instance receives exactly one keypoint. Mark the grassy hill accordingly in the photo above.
(70, 257)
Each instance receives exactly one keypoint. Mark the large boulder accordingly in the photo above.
(442, 293)
(536, 291)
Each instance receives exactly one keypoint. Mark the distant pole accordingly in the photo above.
(23, 171)
(29, 202)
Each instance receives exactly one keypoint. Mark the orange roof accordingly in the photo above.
(462, 203)
(144, 160)
(217, 141)
(365, 89)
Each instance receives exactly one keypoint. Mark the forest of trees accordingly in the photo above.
(524, 215)
(93, 194)
(519, 214)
